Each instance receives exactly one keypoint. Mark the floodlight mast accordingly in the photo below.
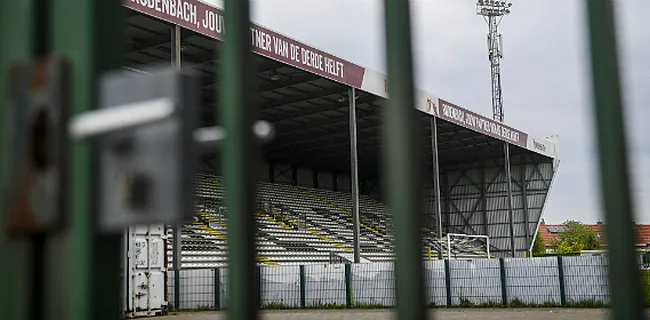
(493, 12)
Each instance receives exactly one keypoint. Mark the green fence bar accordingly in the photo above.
(401, 163)
(626, 294)
(348, 285)
(89, 33)
(504, 282)
(303, 285)
(16, 25)
(448, 282)
(217, 288)
(239, 153)
(560, 269)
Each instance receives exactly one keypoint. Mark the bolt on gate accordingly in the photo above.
(63, 254)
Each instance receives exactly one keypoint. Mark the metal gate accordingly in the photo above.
(93, 43)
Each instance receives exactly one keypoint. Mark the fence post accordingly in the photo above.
(348, 286)
(302, 287)
(504, 284)
(560, 267)
(177, 289)
(217, 288)
(448, 282)
(258, 285)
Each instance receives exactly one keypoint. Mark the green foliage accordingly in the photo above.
(539, 249)
(569, 246)
(576, 237)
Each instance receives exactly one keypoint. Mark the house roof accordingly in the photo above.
(550, 231)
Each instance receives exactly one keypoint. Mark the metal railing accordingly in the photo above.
(572, 281)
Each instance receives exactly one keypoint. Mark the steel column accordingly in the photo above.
(93, 41)
(524, 198)
(436, 178)
(402, 162)
(240, 154)
(625, 288)
(506, 148)
(483, 187)
(177, 240)
(354, 174)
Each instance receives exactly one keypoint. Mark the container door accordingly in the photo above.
(147, 271)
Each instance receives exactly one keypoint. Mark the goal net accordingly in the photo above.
(464, 246)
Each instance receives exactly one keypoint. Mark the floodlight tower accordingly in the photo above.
(493, 12)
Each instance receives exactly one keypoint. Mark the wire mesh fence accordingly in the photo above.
(515, 282)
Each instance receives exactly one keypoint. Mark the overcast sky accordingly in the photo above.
(545, 74)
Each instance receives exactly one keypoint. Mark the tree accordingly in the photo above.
(569, 247)
(576, 237)
(539, 248)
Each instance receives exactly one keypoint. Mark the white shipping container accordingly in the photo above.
(145, 290)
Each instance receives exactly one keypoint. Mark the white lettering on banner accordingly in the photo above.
(311, 59)
(210, 21)
(261, 39)
(213, 21)
(281, 47)
(179, 9)
(333, 67)
(295, 52)
(480, 123)
(539, 146)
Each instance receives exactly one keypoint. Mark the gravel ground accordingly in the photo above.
(447, 314)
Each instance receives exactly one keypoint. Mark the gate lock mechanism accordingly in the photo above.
(149, 145)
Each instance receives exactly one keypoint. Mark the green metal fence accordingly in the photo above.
(574, 281)
(82, 277)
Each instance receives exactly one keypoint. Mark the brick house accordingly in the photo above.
(549, 232)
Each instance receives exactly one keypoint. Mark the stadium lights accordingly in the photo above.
(492, 8)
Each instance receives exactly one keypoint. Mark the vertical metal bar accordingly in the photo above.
(560, 267)
(41, 47)
(354, 176)
(176, 230)
(176, 46)
(504, 284)
(401, 165)
(94, 44)
(511, 218)
(448, 281)
(524, 201)
(436, 178)
(626, 294)
(445, 188)
(239, 154)
(17, 23)
(348, 285)
(483, 200)
(303, 286)
(217, 288)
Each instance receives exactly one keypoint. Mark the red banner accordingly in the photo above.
(208, 20)
(474, 121)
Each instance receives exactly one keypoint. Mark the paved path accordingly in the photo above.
(443, 314)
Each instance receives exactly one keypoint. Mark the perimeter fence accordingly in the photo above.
(578, 281)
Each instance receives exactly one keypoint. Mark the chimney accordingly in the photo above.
(543, 222)
(599, 222)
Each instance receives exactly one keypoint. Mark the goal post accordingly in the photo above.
(467, 239)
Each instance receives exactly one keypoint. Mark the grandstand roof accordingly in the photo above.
(305, 96)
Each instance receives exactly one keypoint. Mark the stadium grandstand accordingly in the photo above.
(305, 199)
